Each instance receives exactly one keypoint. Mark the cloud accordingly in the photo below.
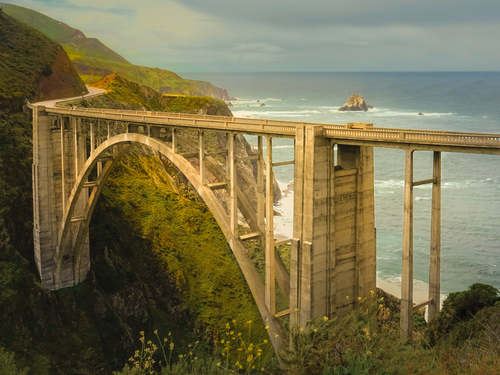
(293, 35)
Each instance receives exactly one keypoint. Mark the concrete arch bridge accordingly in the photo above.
(334, 239)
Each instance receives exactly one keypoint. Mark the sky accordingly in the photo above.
(290, 35)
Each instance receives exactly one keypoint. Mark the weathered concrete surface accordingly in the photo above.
(333, 253)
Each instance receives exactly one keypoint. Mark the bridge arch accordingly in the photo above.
(119, 145)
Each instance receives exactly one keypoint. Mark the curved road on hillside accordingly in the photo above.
(93, 91)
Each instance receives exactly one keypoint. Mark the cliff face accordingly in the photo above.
(33, 67)
(64, 82)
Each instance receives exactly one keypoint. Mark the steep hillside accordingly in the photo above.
(94, 60)
(124, 94)
(160, 79)
(74, 41)
(33, 67)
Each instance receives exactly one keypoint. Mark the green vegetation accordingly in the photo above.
(187, 237)
(124, 94)
(160, 79)
(7, 363)
(28, 60)
(74, 41)
(57, 31)
(365, 342)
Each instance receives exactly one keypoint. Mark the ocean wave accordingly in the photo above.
(264, 113)
(390, 184)
(386, 112)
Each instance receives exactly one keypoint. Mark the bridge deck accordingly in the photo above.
(355, 134)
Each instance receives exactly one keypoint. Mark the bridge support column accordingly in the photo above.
(435, 259)
(270, 293)
(201, 150)
(54, 172)
(233, 196)
(333, 249)
(407, 269)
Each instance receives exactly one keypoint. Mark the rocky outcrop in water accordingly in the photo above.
(356, 103)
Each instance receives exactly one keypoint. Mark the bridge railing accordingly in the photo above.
(287, 128)
(416, 136)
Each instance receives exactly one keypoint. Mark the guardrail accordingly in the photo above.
(354, 131)
(417, 136)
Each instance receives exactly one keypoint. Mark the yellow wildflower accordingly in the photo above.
(156, 332)
(347, 297)
(325, 318)
(249, 322)
(301, 329)
(267, 327)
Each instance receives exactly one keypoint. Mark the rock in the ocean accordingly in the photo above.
(356, 103)
(229, 104)
(262, 105)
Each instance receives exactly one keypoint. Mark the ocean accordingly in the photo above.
(470, 242)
